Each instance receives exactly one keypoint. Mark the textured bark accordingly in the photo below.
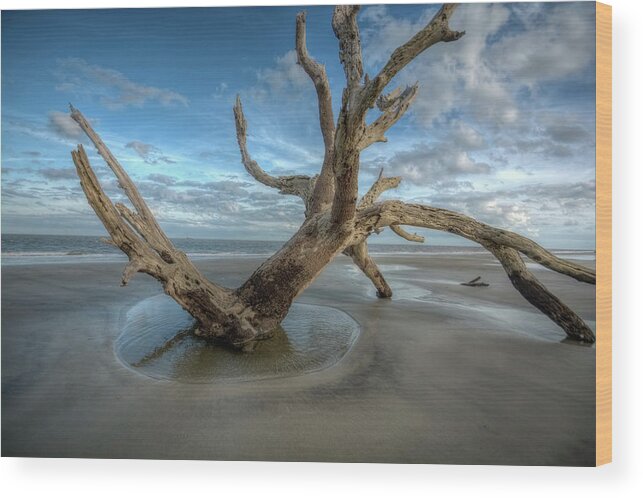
(335, 220)
(325, 185)
(504, 245)
(538, 295)
(359, 254)
(388, 213)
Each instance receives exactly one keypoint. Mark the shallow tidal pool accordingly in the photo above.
(156, 341)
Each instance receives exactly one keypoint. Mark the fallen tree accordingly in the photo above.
(336, 220)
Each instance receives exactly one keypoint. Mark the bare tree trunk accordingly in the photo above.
(335, 220)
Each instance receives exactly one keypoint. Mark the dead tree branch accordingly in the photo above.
(393, 107)
(154, 235)
(411, 237)
(361, 258)
(350, 48)
(437, 30)
(381, 185)
(388, 213)
(218, 313)
(538, 295)
(299, 185)
(334, 222)
(503, 244)
(325, 186)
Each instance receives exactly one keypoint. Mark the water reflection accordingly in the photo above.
(157, 341)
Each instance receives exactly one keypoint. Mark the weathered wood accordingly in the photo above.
(388, 213)
(393, 107)
(325, 185)
(476, 282)
(538, 295)
(299, 185)
(219, 314)
(411, 237)
(359, 255)
(437, 30)
(335, 222)
(381, 185)
(504, 245)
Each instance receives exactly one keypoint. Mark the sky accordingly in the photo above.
(502, 128)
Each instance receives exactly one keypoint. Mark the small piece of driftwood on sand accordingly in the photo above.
(476, 282)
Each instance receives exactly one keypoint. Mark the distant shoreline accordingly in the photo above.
(27, 249)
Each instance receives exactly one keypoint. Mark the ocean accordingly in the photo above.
(20, 249)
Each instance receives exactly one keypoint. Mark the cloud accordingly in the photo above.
(62, 124)
(451, 77)
(149, 153)
(481, 76)
(58, 173)
(286, 77)
(553, 44)
(113, 88)
(162, 179)
(431, 164)
(222, 204)
(568, 133)
(530, 207)
(549, 136)
(220, 91)
(467, 138)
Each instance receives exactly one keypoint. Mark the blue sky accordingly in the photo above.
(502, 127)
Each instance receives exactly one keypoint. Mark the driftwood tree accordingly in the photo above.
(336, 220)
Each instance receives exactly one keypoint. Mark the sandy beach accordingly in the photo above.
(441, 373)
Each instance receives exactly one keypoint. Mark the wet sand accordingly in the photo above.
(439, 374)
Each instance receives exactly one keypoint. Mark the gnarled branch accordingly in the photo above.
(141, 256)
(412, 237)
(352, 135)
(381, 185)
(350, 48)
(299, 185)
(361, 258)
(437, 30)
(317, 73)
(218, 312)
(388, 213)
(324, 186)
(393, 107)
(505, 245)
(155, 236)
(538, 295)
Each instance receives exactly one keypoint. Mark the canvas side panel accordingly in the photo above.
(603, 233)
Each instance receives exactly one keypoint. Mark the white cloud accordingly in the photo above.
(453, 75)
(62, 124)
(528, 207)
(149, 153)
(554, 44)
(113, 88)
(481, 74)
(429, 164)
(285, 79)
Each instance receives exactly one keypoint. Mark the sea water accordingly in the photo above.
(20, 249)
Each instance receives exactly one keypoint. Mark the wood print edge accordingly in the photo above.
(603, 233)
